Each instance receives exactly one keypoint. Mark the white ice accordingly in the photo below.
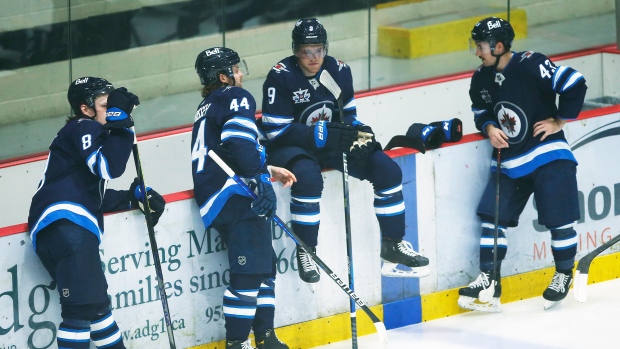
(522, 324)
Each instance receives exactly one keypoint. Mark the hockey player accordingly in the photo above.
(513, 100)
(66, 213)
(297, 112)
(225, 122)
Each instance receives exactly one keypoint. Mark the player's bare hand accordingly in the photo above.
(497, 137)
(548, 127)
(282, 175)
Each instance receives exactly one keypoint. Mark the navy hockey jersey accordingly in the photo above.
(523, 94)
(83, 157)
(226, 123)
(292, 101)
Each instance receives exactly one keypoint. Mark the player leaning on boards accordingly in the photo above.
(66, 213)
(225, 122)
(302, 122)
(513, 99)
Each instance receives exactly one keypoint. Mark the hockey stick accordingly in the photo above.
(154, 249)
(381, 331)
(580, 284)
(486, 295)
(328, 81)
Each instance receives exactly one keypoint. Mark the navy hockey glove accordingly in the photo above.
(157, 204)
(265, 203)
(432, 136)
(453, 129)
(120, 105)
(365, 143)
(332, 136)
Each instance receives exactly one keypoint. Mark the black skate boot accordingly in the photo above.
(469, 296)
(308, 270)
(268, 340)
(394, 252)
(239, 344)
(558, 289)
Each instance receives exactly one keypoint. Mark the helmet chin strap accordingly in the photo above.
(498, 57)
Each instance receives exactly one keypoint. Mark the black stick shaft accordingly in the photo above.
(154, 249)
(496, 218)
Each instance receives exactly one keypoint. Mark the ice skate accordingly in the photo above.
(557, 290)
(394, 252)
(308, 270)
(468, 296)
(268, 340)
(239, 345)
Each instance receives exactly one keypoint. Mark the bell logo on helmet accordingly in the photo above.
(493, 25)
(81, 81)
(212, 52)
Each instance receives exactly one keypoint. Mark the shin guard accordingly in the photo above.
(564, 247)
(266, 306)
(390, 210)
(487, 240)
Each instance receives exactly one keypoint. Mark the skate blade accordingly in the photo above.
(551, 304)
(469, 303)
(312, 287)
(390, 270)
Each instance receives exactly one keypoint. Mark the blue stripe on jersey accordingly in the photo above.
(530, 161)
(275, 124)
(350, 105)
(214, 204)
(66, 210)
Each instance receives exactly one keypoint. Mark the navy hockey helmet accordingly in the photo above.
(493, 30)
(309, 31)
(214, 61)
(85, 90)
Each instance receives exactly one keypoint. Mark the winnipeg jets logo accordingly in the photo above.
(321, 115)
(486, 95)
(279, 67)
(321, 111)
(301, 96)
(341, 64)
(526, 55)
(499, 78)
(512, 121)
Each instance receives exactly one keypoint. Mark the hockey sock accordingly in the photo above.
(266, 306)
(564, 247)
(74, 334)
(104, 331)
(305, 218)
(240, 300)
(390, 211)
(486, 245)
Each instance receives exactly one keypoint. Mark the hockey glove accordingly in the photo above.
(265, 203)
(431, 136)
(332, 136)
(157, 204)
(120, 105)
(365, 143)
(453, 129)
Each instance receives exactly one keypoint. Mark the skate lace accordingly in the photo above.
(558, 282)
(247, 345)
(406, 248)
(307, 263)
(481, 280)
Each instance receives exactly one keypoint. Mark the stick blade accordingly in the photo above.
(382, 334)
(580, 287)
(328, 81)
(486, 295)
